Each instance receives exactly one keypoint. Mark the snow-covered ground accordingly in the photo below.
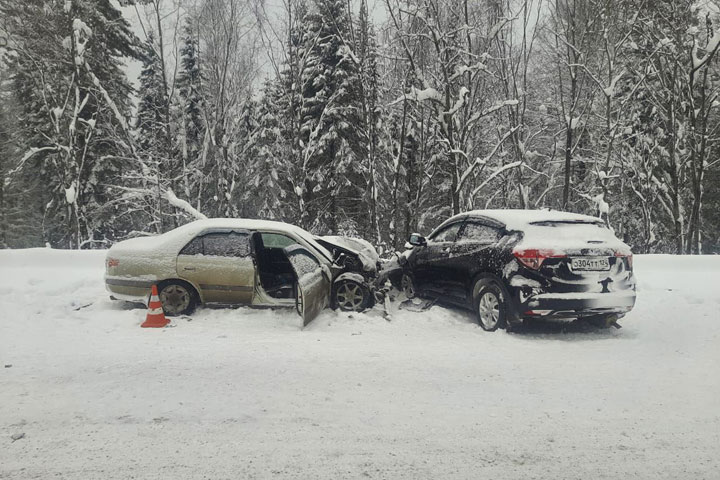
(249, 394)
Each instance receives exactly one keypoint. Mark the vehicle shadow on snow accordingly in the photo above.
(430, 311)
(566, 330)
(400, 311)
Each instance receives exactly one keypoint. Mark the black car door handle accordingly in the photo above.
(190, 268)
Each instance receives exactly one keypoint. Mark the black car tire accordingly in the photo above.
(350, 296)
(180, 298)
(490, 304)
(407, 285)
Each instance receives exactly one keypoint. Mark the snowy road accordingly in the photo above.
(248, 394)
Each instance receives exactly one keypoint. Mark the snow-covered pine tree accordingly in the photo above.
(153, 102)
(367, 54)
(153, 139)
(67, 66)
(189, 85)
(330, 116)
(275, 174)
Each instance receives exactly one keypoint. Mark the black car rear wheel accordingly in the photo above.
(490, 304)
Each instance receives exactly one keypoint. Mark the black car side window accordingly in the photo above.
(195, 247)
(447, 234)
(476, 232)
(231, 244)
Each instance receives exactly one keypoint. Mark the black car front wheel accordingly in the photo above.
(407, 285)
(490, 304)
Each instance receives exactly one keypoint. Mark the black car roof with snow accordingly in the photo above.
(516, 219)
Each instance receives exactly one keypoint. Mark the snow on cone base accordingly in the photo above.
(155, 317)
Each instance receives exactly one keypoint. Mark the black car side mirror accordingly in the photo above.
(417, 240)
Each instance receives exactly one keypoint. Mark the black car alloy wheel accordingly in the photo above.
(407, 284)
(490, 304)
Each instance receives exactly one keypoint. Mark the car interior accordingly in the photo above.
(277, 276)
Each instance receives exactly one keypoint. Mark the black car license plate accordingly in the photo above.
(590, 264)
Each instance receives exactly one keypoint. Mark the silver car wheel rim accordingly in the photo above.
(349, 296)
(489, 310)
(175, 299)
(407, 286)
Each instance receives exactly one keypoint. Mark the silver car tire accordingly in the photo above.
(178, 298)
(351, 296)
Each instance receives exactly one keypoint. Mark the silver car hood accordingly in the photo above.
(362, 248)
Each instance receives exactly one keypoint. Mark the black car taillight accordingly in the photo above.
(534, 258)
(628, 258)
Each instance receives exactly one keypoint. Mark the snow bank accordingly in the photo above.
(50, 259)
(244, 393)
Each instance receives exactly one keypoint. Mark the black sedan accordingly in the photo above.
(510, 265)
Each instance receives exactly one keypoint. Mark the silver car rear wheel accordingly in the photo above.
(176, 299)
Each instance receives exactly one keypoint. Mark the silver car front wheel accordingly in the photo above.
(351, 296)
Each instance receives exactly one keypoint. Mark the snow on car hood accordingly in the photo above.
(364, 249)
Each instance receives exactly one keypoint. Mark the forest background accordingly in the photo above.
(372, 121)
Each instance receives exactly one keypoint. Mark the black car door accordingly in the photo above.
(431, 261)
(474, 251)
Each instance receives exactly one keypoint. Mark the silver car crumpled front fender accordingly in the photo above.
(355, 277)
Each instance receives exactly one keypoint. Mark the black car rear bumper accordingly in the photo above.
(576, 304)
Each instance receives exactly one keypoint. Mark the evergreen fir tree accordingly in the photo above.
(67, 66)
(366, 49)
(153, 102)
(189, 85)
(330, 117)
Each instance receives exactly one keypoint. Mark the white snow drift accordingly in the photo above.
(249, 394)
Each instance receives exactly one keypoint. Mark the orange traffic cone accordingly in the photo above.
(155, 316)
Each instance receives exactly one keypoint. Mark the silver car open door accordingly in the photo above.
(313, 282)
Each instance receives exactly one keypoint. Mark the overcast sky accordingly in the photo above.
(375, 7)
